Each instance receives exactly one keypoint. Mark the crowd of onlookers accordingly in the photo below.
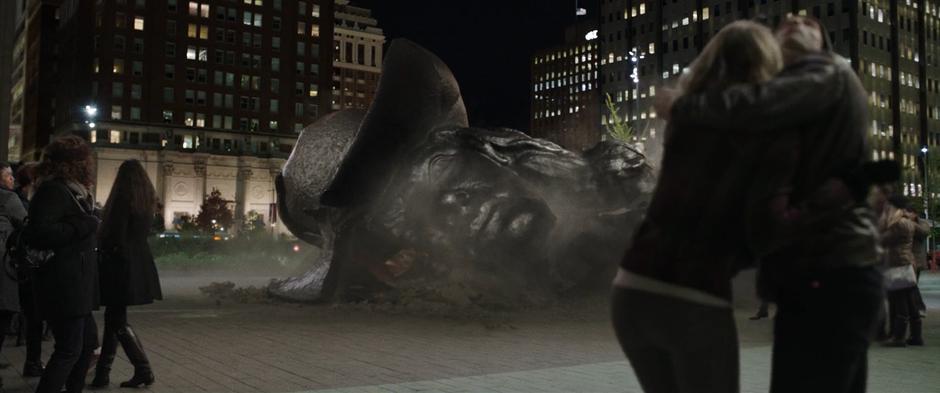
(64, 257)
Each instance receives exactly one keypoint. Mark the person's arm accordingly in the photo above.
(14, 210)
(797, 95)
(921, 228)
(50, 225)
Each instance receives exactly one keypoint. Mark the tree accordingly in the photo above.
(253, 224)
(214, 213)
(617, 126)
(185, 223)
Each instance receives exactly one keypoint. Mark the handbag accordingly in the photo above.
(899, 277)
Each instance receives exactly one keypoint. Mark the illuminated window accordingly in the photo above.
(191, 53)
(192, 31)
(193, 8)
(204, 10)
(118, 67)
(116, 112)
(114, 136)
(642, 8)
(705, 13)
(138, 23)
(652, 48)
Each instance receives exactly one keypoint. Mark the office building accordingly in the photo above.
(357, 56)
(892, 45)
(566, 98)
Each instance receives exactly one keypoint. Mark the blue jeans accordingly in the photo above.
(75, 343)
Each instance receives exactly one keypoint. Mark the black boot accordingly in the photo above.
(32, 368)
(917, 337)
(143, 374)
(898, 332)
(105, 359)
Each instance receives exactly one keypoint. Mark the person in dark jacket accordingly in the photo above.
(31, 324)
(128, 273)
(12, 214)
(62, 220)
(920, 263)
(821, 270)
(671, 306)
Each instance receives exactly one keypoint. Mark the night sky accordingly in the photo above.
(486, 43)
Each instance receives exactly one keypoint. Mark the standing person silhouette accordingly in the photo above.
(62, 220)
(128, 273)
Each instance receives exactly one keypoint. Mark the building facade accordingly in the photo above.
(892, 45)
(357, 57)
(566, 98)
(208, 94)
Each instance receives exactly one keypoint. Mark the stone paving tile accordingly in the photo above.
(196, 346)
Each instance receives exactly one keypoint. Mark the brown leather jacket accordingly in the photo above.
(897, 237)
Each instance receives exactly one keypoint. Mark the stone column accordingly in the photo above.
(166, 173)
(241, 194)
(199, 170)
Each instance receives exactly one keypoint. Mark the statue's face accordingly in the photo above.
(460, 202)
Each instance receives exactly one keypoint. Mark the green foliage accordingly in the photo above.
(214, 213)
(617, 126)
(185, 224)
(253, 225)
(201, 252)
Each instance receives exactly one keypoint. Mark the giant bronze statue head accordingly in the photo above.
(408, 197)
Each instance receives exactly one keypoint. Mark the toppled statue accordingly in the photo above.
(408, 199)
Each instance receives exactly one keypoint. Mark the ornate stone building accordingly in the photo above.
(185, 173)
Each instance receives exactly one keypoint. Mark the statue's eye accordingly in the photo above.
(455, 198)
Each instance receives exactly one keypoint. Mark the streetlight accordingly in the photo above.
(635, 57)
(90, 112)
(924, 151)
(578, 10)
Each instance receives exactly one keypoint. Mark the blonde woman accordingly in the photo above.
(672, 295)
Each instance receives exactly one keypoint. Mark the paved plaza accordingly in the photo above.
(199, 345)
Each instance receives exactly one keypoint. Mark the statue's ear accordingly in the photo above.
(417, 95)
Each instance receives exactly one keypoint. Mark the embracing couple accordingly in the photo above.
(765, 163)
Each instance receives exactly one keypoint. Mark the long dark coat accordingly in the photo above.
(128, 274)
(66, 285)
(12, 213)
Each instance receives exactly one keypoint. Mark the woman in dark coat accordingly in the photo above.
(62, 220)
(128, 274)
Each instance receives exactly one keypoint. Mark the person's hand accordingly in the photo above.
(665, 97)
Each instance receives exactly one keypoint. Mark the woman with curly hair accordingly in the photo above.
(62, 220)
(128, 274)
